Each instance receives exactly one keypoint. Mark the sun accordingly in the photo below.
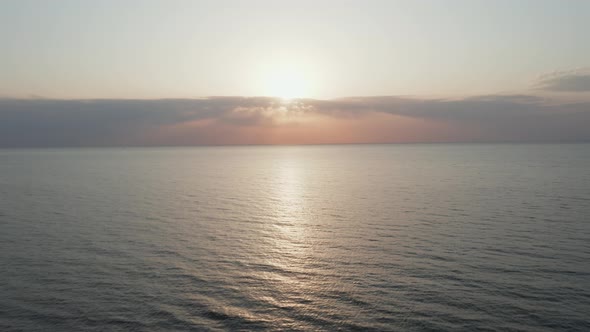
(287, 83)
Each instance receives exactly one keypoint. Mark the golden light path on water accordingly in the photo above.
(290, 247)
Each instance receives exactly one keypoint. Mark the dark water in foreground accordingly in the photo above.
(376, 237)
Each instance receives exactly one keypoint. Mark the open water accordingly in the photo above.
(317, 238)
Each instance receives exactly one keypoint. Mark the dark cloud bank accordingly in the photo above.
(566, 81)
(55, 123)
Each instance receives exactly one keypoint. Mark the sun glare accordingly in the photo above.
(287, 84)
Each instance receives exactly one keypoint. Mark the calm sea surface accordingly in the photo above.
(318, 238)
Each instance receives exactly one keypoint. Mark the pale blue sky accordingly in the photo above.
(184, 49)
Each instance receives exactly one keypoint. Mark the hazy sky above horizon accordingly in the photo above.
(326, 49)
(110, 72)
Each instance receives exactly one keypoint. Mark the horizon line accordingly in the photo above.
(291, 145)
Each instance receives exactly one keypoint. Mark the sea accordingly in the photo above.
(387, 237)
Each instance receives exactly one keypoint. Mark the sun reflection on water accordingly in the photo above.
(289, 249)
(290, 209)
(293, 274)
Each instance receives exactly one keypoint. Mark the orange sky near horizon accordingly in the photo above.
(312, 129)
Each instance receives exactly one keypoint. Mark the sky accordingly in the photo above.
(93, 73)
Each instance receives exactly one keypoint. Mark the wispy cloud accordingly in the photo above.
(566, 81)
(238, 120)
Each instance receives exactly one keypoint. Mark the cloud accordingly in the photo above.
(566, 81)
(262, 120)
(49, 122)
